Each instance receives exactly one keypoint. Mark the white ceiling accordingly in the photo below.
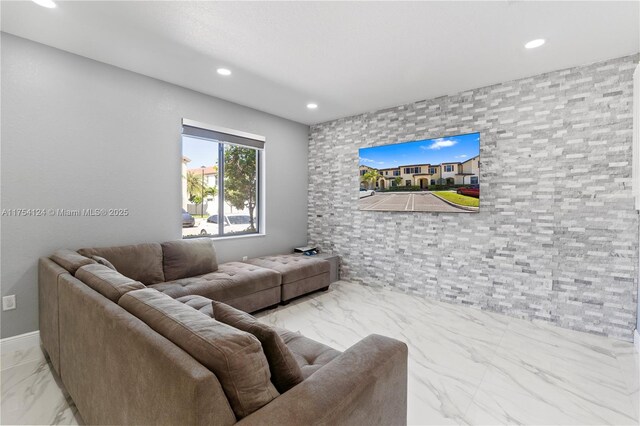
(348, 57)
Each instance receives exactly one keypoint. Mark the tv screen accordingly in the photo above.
(431, 175)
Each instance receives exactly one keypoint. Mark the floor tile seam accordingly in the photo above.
(484, 375)
(20, 364)
(629, 389)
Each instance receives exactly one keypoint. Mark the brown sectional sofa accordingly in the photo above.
(129, 348)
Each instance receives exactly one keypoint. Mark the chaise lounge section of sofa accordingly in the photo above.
(299, 274)
(124, 366)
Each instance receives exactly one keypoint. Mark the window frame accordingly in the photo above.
(260, 147)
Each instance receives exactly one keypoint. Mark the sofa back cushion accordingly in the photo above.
(109, 283)
(234, 356)
(103, 261)
(70, 260)
(188, 258)
(140, 262)
(285, 372)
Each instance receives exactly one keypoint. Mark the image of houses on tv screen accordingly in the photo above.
(432, 175)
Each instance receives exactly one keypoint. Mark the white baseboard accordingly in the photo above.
(20, 342)
(636, 340)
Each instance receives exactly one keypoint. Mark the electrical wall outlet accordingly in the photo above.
(244, 258)
(9, 302)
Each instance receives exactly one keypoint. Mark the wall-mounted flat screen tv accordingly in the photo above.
(431, 175)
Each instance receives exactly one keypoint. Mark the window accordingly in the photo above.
(474, 180)
(408, 183)
(220, 181)
(448, 168)
(432, 170)
(396, 172)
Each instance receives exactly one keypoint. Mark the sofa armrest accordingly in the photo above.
(366, 384)
(48, 274)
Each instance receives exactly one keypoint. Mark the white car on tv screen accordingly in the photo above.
(366, 192)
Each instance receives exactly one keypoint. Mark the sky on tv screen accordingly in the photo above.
(450, 149)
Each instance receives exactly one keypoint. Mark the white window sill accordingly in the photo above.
(233, 237)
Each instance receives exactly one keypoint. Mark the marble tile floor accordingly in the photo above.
(31, 393)
(466, 366)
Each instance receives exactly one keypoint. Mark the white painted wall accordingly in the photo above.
(81, 134)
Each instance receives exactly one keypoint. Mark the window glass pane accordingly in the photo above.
(240, 220)
(199, 186)
(240, 189)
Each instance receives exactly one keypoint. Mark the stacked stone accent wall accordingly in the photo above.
(556, 238)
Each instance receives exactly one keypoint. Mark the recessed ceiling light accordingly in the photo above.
(50, 4)
(224, 71)
(534, 43)
(312, 106)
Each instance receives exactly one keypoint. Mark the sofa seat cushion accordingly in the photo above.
(292, 267)
(70, 260)
(234, 356)
(109, 283)
(232, 280)
(199, 303)
(285, 371)
(309, 354)
(141, 262)
(188, 258)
